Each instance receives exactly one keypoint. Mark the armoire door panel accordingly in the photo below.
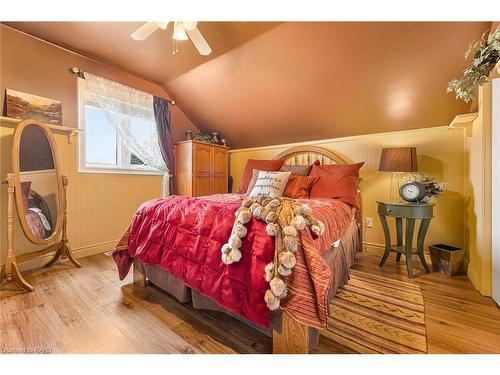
(202, 185)
(219, 160)
(220, 185)
(202, 158)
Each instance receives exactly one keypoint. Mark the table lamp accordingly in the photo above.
(398, 160)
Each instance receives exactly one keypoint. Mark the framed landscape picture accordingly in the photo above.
(22, 106)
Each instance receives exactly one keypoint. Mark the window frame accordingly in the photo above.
(83, 166)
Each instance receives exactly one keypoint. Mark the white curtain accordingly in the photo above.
(121, 103)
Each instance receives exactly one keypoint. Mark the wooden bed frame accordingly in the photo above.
(294, 338)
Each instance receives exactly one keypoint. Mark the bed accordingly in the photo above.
(192, 274)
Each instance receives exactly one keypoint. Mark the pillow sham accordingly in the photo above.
(270, 184)
(298, 187)
(339, 181)
(263, 165)
(300, 170)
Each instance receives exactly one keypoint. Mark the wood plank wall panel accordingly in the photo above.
(441, 153)
(100, 206)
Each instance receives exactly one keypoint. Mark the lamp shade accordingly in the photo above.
(398, 159)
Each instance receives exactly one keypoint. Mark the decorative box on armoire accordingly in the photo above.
(201, 168)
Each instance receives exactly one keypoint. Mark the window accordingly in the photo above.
(119, 131)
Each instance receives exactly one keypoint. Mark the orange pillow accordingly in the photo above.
(261, 165)
(298, 187)
(338, 181)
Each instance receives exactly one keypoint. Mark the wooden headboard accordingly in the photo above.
(306, 155)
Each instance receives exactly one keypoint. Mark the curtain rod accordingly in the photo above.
(80, 73)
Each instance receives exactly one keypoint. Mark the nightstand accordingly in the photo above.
(411, 212)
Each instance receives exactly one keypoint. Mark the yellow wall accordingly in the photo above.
(441, 153)
(100, 206)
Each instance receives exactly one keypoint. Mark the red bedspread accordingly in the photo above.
(184, 236)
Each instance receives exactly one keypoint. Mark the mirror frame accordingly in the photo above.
(16, 144)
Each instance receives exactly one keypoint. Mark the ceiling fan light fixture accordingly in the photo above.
(179, 32)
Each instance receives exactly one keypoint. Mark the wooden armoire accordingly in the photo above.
(201, 168)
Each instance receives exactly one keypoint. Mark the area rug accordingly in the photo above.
(375, 314)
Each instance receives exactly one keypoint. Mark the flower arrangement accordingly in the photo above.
(432, 187)
(486, 52)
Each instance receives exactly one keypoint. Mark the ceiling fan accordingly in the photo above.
(182, 30)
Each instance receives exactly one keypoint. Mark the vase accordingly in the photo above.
(215, 138)
(189, 135)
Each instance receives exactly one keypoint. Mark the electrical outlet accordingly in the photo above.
(369, 222)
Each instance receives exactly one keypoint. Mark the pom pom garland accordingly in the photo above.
(283, 271)
(272, 302)
(240, 230)
(244, 217)
(298, 222)
(234, 242)
(272, 229)
(290, 243)
(235, 255)
(226, 249)
(272, 217)
(246, 202)
(277, 286)
(287, 259)
(290, 231)
(284, 218)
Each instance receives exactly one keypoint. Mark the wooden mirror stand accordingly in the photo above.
(10, 270)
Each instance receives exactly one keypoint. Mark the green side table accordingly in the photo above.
(410, 212)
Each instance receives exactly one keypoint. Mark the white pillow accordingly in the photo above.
(270, 184)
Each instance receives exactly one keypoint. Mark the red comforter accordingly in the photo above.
(184, 236)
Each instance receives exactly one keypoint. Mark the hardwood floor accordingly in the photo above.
(89, 310)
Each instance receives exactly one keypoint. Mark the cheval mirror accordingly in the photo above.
(38, 189)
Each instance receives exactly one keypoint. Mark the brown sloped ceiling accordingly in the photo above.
(269, 83)
(309, 81)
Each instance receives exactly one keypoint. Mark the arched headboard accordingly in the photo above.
(306, 155)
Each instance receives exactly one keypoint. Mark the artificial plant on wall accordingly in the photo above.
(486, 52)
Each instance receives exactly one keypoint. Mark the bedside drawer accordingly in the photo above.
(410, 211)
(398, 211)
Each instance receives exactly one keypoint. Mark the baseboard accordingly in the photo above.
(78, 252)
(473, 277)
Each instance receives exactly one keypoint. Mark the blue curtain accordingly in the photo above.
(164, 128)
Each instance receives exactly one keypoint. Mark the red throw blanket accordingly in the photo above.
(185, 235)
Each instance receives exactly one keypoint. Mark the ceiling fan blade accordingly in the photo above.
(162, 25)
(144, 31)
(199, 42)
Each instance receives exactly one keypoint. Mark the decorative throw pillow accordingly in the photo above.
(339, 181)
(298, 187)
(270, 184)
(251, 184)
(263, 165)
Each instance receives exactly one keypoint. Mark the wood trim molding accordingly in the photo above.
(70, 131)
(465, 122)
(80, 252)
(327, 141)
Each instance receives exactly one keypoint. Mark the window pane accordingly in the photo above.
(100, 138)
(134, 160)
(142, 131)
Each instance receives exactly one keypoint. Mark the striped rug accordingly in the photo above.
(375, 314)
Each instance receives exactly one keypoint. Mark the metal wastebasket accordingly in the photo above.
(447, 259)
